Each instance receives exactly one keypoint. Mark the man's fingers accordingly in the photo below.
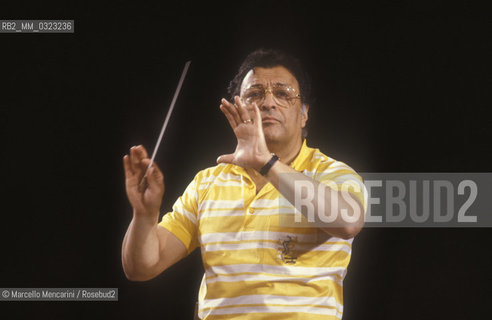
(150, 177)
(257, 115)
(137, 155)
(155, 178)
(134, 161)
(126, 165)
(141, 152)
(243, 112)
(229, 116)
(226, 158)
(232, 110)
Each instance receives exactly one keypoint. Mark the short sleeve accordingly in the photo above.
(182, 221)
(340, 176)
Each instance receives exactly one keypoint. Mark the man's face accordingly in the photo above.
(282, 123)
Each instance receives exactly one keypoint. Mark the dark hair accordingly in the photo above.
(269, 58)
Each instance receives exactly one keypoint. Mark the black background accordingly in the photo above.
(399, 87)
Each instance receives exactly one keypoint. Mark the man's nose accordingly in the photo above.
(269, 101)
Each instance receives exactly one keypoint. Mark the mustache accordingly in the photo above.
(269, 114)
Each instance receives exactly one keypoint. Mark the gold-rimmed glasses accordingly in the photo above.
(284, 95)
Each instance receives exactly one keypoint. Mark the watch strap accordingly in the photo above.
(269, 165)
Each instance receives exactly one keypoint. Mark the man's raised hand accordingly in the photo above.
(251, 150)
(145, 203)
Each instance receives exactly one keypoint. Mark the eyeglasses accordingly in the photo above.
(283, 95)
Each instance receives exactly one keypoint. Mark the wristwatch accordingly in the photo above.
(269, 164)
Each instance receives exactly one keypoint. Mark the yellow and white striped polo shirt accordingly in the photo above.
(254, 267)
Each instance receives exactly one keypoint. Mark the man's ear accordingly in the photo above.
(304, 114)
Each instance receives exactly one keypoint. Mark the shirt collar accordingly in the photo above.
(299, 162)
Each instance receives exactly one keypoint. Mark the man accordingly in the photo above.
(256, 266)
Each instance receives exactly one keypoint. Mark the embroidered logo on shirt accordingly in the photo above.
(286, 251)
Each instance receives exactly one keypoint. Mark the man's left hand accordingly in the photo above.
(251, 150)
